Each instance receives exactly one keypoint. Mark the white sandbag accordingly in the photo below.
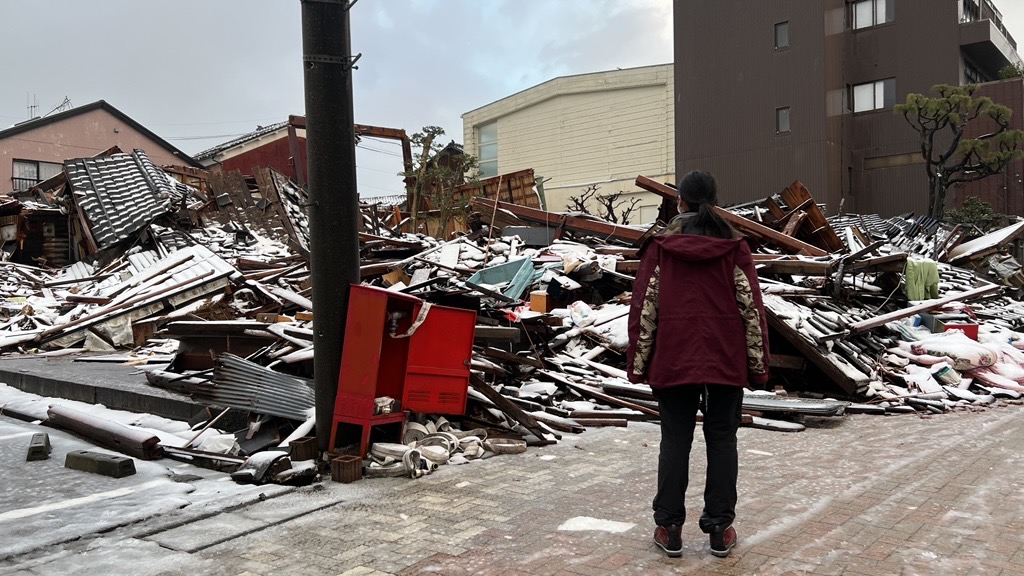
(991, 378)
(966, 353)
(903, 350)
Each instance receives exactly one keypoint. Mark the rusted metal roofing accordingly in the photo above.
(118, 194)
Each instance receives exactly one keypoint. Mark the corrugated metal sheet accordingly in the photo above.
(118, 194)
(147, 273)
(238, 383)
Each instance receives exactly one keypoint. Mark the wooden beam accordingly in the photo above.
(555, 220)
(786, 362)
(887, 263)
(811, 353)
(743, 224)
(770, 235)
(796, 194)
(794, 223)
(788, 265)
(865, 325)
(595, 393)
(510, 357)
(663, 190)
(508, 407)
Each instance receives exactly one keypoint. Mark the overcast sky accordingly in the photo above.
(201, 72)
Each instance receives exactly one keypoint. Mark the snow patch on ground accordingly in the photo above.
(586, 523)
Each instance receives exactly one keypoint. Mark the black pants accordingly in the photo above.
(678, 405)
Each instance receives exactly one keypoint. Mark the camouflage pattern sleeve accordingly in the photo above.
(648, 323)
(752, 327)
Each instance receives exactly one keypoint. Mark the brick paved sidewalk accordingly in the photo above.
(864, 495)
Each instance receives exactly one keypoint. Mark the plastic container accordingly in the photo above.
(517, 273)
(970, 330)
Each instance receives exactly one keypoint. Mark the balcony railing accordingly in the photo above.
(19, 184)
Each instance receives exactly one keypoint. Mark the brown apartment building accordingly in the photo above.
(768, 92)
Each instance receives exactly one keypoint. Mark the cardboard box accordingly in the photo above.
(540, 301)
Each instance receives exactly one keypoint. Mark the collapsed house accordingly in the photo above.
(208, 281)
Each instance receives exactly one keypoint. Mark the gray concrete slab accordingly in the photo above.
(113, 385)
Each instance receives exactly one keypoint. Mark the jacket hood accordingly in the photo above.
(694, 247)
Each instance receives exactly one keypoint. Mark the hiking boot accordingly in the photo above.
(722, 543)
(669, 539)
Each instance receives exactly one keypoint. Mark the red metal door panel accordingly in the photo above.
(437, 372)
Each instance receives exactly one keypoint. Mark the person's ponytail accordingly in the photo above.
(711, 223)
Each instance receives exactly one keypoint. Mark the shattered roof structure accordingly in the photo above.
(119, 194)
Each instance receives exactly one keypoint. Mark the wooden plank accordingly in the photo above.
(503, 333)
(796, 194)
(809, 351)
(595, 393)
(598, 422)
(887, 263)
(786, 362)
(770, 235)
(510, 357)
(801, 209)
(865, 325)
(508, 407)
(581, 415)
(743, 224)
(774, 210)
(789, 266)
(663, 190)
(556, 220)
(794, 223)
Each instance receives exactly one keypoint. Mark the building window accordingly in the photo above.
(782, 35)
(971, 75)
(867, 13)
(28, 173)
(487, 136)
(782, 120)
(874, 95)
(972, 11)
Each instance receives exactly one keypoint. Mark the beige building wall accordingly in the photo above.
(80, 136)
(603, 128)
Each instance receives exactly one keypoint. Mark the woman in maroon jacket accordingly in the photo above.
(697, 335)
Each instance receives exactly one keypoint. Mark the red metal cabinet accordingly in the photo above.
(427, 371)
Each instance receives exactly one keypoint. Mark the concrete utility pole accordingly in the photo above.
(334, 201)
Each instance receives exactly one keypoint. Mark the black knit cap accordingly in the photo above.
(698, 187)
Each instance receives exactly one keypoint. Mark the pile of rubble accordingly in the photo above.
(210, 286)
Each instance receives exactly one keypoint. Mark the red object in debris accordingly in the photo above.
(970, 330)
(394, 347)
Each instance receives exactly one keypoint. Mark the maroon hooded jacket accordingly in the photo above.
(696, 315)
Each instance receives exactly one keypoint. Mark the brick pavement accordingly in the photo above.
(862, 495)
